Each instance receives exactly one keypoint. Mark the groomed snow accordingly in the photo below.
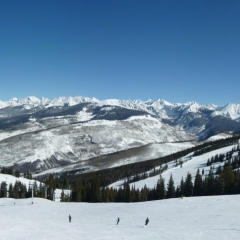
(196, 218)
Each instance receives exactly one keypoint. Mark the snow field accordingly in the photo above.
(196, 218)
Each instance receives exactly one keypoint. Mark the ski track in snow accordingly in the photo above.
(195, 218)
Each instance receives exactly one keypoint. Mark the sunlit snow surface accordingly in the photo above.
(190, 165)
(192, 218)
(9, 179)
(198, 218)
(106, 137)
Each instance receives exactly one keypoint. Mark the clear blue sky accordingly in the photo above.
(174, 50)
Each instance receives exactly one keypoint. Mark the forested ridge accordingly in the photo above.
(93, 187)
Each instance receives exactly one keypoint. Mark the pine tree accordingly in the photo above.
(127, 197)
(120, 195)
(17, 173)
(160, 190)
(76, 192)
(236, 188)
(218, 186)
(138, 196)
(204, 184)
(171, 188)
(197, 189)
(144, 193)
(210, 183)
(133, 194)
(228, 179)
(10, 190)
(181, 187)
(188, 186)
(95, 190)
(62, 197)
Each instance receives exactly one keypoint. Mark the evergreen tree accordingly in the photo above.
(76, 192)
(210, 183)
(227, 177)
(127, 197)
(138, 196)
(133, 194)
(51, 182)
(181, 187)
(17, 173)
(10, 191)
(218, 185)
(144, 193)
(160, 190)
(197, 189)
(95, 190)
(62, 197)
(170, 188)
(3, 189)
(236, 188)
(188, 186)
(120, 195)
(204, 185)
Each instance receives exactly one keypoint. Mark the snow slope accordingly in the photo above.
(198, 218)
(73, 143)
(9, 179)
(190, 165)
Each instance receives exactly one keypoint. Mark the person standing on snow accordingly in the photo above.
(118, 220)
(146, 222)
(70, 218)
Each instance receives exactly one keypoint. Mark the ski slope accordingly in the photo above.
(196, 218)
(9, 179)
(190, 165)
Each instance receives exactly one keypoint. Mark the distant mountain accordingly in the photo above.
(41, 134)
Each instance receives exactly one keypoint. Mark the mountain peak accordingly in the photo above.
(160, 107)
(231, 110)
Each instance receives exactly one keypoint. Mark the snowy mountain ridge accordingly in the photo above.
(81, 132)
(161, 107)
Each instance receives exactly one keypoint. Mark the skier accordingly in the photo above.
(118, 220)
(70, 218)
(146, 222)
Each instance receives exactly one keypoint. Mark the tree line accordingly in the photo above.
(224, 179)
(138, 170)
(20, 190)
(92, 187)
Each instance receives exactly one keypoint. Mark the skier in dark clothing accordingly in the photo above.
(70, 218)
(146, 222)
(118, 220)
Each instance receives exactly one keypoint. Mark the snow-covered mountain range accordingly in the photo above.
(160, 107)
(86, 133)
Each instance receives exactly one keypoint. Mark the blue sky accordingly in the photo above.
(174, 50)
